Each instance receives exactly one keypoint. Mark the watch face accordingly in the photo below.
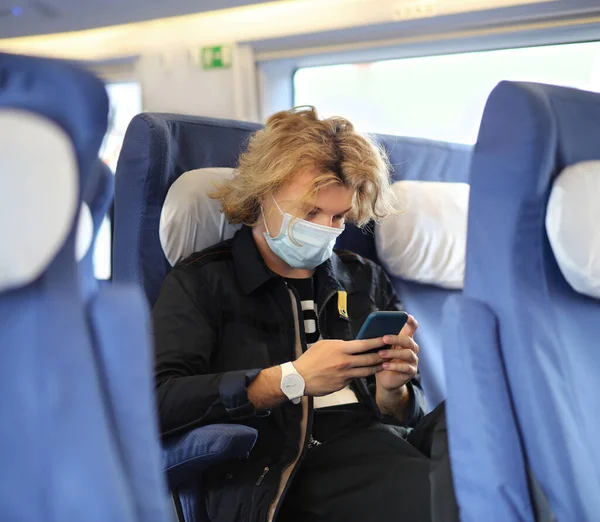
(293, 384)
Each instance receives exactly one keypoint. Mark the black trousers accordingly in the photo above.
(375, 474)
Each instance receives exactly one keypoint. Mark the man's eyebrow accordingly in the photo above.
(319, 209)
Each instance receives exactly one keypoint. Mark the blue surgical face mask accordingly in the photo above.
(303, 244)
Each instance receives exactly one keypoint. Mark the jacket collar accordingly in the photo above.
(251, 269)
(253, 272)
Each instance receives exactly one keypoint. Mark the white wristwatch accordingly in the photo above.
(292, 383)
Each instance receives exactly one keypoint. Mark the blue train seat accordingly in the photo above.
(57, 445)
(530, 338)
(119, 321)
(157, 149)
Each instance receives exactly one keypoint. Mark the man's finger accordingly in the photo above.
(357, 373)
(401, 367)
(404, 355)
(410, 327)
(363, 345)
(366, 359)
(402, 341)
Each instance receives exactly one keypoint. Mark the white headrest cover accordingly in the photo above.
(190, 221)
(38, 195)
(425, 241)
(573, 226)
(85, 232)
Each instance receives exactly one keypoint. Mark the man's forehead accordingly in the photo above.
(327, 203)
(300, 191)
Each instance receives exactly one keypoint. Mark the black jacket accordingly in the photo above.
(221, 317)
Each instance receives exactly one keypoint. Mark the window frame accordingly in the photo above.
(276, 76)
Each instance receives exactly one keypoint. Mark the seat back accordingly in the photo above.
(119, 322)
(58, 453)
(158, 148)
(488, 462)
(547, 331)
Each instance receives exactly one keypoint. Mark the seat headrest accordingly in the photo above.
(39, 186)
(190, 221)
(425, 240)
(573, 226)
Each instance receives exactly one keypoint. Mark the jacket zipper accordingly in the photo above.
(262, 475)
(321, 310)
(289, 469)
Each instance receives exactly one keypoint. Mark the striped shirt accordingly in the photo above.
(304, 288)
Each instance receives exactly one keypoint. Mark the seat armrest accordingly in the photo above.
(185, 457)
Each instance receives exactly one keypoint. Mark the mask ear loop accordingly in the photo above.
(262, 211)
(289, 231)
(277, 205)
(290, 223)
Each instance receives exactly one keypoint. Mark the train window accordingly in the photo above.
(439, 97)
(125, 102)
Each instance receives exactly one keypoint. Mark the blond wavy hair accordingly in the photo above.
(298, 140)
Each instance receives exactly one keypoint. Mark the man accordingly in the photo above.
(259, 330)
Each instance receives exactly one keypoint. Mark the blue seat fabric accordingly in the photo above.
(547, 333)
(59, 460)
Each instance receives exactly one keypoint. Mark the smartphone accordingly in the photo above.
(378, 324)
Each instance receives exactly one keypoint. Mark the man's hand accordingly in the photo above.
(328, 366)
(400, 366)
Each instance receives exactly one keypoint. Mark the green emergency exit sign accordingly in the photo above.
(217, 57)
